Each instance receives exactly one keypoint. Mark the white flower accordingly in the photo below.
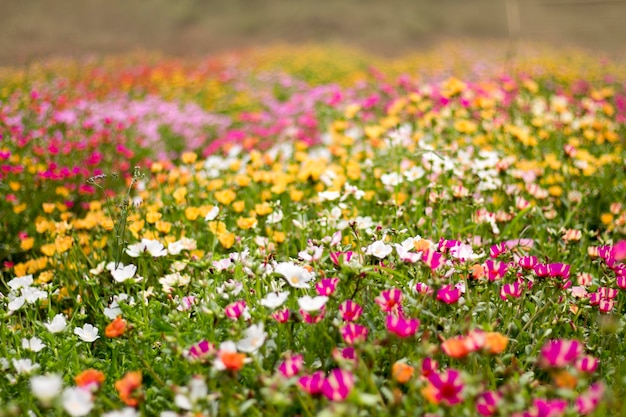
(88, 333)
(311, 304)
(414, 173)
(274, 217)
(189, 395)
(212, 214)
(57, 325)
(77, 402)
(253, 340)
(46, 387)
(31, 295)
(124, 412)
(274, 299)
(20, 282)
(328, 195)
(153, 247)
(169, 281)
(123, 272)
(24, 366)
(392, 179)
(15, 303)
(98, 269)
(406, 255)
(184, 243)
(296, 276)
(379, 249)
(34, 344)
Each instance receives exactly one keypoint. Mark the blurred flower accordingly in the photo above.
(487, 403)
(291, 365)
(402, 372)
(77, 402)
(448, 386)
(90, 379)
(274, 299)
(390, 301)
(338, 384)
(353, 333)
(34, 344)
(24, 366)
(128, 386)
(449, 294)
(228, 358)
(253, 339)
(558, 353)
(46, 387)
(350, 311)
(116, 328)
(313, 383)
(402, 327)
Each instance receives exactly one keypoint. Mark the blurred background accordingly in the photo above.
(35, 29)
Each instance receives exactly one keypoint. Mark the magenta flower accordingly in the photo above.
(620, 280)
(354, 333)
(606, 305)
(511, 290)
(559, 270)
(337, 385)
(432, 259)
(546, 408)
(281, 316)
(313, 317)
(609, 293)
(559, 353)
(587, 402)
(390, 301)
(402, 327)
(498, 249)
(201, 350)
(429, 367)
(587, 363)
(345, 355)
(495, 270)
(422, 288)
(448, 386)
(339, 258)
(449, 294)
(541, 270)
(312, 384)
(235, 310)
(350, 311)
(487, 403)
(528, 262)
(291, 366)
(327, 286)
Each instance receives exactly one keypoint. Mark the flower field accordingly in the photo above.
(313, 232)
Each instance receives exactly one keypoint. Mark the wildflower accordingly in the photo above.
(423, 289)
(24, 366)
(128, 387)
(34, 344)
(498, 249)
(449, 294)
(274, 299)
(458, 347)
(88, 333)
(350, 311)
(402, 327)
(487, 403)
(338, 384)
(201, 350)
(125, 412)
(291, 366)
(296, 276)
(46, 388)
(212, 214)
(447, 387)
(402, 372)
(116, 328)
(495, 342)
(20, 282)
(495, 270)
(345, 355)
(89, 379)
(312, 304)
(587, 402)
(429, 366)
(121, 272)
(228, 358)
(326, 286)
(77, 402)
(587, 363)
(281, 316)
(513, 290)
(313, 383)
(153, 247)
(549, 408)
(235, 310)
(379, 249)
(390, 301)
(253, 339)
(558, 353)
(432, 259)
(353, 333)
(339, 258)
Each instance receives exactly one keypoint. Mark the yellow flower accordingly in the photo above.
(227, 239)
(239, 206)
(192, 213)
(14, 185)
(163, 227)
(225, 197)
(63, 243)
(45, 276)
(296, 195)
(48, 207)
(153, 216)
(217, 228)
(19, 208)
(189, 157)
(263, 209)
(27, 244)
(246, 223)
(48, 249)
(180, 194)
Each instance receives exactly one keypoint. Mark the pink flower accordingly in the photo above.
(337, 385)
(281, 316)
(390, 301)
(291, 366)
(587, 402)
(312, 384)
(235, 310)
(429, 367)
(448, 386)
(546, 408)
(449, 294)
(345, 355)
(495, 269)
(432, 259)
(313, 317)
(350, 311)
(487, 403)
(559, 353)
(402, 327)
(339, 258)
(587, 363)
(201, 350)
(528, 262)
(354, 333)
(498, 249)
(511, 290)
(422, 288)
(327, 286)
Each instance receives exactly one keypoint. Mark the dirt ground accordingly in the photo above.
(36, 29)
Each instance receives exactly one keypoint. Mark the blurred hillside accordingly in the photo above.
(35, 29)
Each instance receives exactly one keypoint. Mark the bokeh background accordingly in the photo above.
(35, 29)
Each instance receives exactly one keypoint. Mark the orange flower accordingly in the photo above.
(89, 378)
(478, 271)
(430, 393)
(564, 379)
(458, 347)
(127, 386)
(402, 372)
(495, 342)
(233, 361)
(116, 328)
